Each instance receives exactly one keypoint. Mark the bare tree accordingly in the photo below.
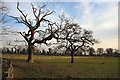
(71, 36)
(3, 12)
(34, 25)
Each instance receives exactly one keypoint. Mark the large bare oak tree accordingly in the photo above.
(33, 26)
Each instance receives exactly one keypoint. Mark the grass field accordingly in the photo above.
(60, 67)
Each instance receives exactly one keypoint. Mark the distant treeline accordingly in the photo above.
(90, 52)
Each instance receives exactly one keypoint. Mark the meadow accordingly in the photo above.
(60, 66)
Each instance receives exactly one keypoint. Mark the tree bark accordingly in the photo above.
(72, 57)
(30, 53)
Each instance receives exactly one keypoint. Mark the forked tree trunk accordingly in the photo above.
(72, 57)
(30, 53)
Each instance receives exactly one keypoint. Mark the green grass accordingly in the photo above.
(60, 67)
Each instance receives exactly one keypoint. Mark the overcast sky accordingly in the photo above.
(100, 17)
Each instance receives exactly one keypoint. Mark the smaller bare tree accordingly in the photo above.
(71, 36)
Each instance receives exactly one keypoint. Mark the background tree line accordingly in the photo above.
(89, 52)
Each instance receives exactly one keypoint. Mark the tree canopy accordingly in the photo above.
(71, 36)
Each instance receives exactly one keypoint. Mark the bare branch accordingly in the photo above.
(43, 40)
(24, 36)
(35, 11)
(24, 17)
(43, 19)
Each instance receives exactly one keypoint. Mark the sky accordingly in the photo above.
(99, 17)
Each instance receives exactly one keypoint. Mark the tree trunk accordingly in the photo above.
(30, 53)
(72, 57)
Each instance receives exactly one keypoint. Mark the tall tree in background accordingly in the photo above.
(100, 51)
(3, 12)
(33, 26)
(71, 36)
(109, 51)
(91, 51)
